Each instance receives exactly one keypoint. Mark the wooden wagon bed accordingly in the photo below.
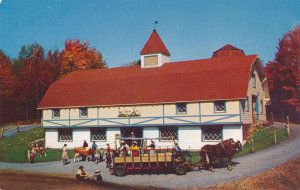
(145, 158)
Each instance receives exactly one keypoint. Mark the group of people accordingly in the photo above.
(96, 156)
(124, 149)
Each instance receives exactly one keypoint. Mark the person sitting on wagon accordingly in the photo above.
(152, 150)
(134, 149)
(177, 152)
(123, 149)
(81, 175)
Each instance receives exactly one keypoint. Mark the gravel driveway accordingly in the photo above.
(248, 165)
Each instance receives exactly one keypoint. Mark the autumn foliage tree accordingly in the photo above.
(24, 81)
(6, 84)
(78, 55)
(6, 77)
(284, 76)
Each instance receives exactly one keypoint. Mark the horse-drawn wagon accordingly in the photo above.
(159, 160)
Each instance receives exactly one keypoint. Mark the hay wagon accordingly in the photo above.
(160, 161)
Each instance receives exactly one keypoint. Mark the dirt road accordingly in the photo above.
(11, 180)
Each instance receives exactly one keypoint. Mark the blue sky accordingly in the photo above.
(191, 29)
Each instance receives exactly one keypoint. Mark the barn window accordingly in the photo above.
(247, 104)
(83, 112)
(212, 133)
(65, 135)
(168, 133)
(181, 108)
(261, 106)
(56, 113)
(98, 134)
(220, 106)
(253, 79)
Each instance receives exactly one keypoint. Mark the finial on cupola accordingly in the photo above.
(154, 24)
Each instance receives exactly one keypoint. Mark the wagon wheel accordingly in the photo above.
(180, 169)
(120, 171)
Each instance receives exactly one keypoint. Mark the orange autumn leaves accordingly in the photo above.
(6, 78)
(78, 56)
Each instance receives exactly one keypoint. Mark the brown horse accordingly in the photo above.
(83, 151)
(225, 149)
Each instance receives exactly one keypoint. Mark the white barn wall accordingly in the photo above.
(110, 136)
(233, 131)
(156, 111)
(51, 139)
(189, 137)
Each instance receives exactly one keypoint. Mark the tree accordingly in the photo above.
(78, 55)
(133, 63)
(6, 87)
(6, 77)
(284, 75)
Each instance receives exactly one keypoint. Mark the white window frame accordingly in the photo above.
(63, 135)
(212, 133)
(168, 133)
(55, 113)
(83, 112)
(101, 136)
(247, 108)
(181, 108)
(216, 107)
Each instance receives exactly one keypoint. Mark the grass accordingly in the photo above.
(262, 138)
(14, 148)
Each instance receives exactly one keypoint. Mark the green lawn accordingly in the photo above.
(263, 138)
(14, 148)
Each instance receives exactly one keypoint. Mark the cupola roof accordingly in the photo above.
(154, 45)
(228, 50)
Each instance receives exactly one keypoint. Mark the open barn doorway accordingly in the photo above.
(132, 132)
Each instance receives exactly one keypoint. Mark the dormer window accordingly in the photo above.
(56, 113)
(83, 112)
(181, 108)
(220, 106)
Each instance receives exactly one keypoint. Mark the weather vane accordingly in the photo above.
(154, 24)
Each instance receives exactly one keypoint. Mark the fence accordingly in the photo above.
(257, 143)
(16, 127)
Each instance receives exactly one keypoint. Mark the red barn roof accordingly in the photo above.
(154, 45)
(228, 50)
(220, 78)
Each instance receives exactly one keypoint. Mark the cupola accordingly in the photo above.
(154, 52)
(228, 50)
